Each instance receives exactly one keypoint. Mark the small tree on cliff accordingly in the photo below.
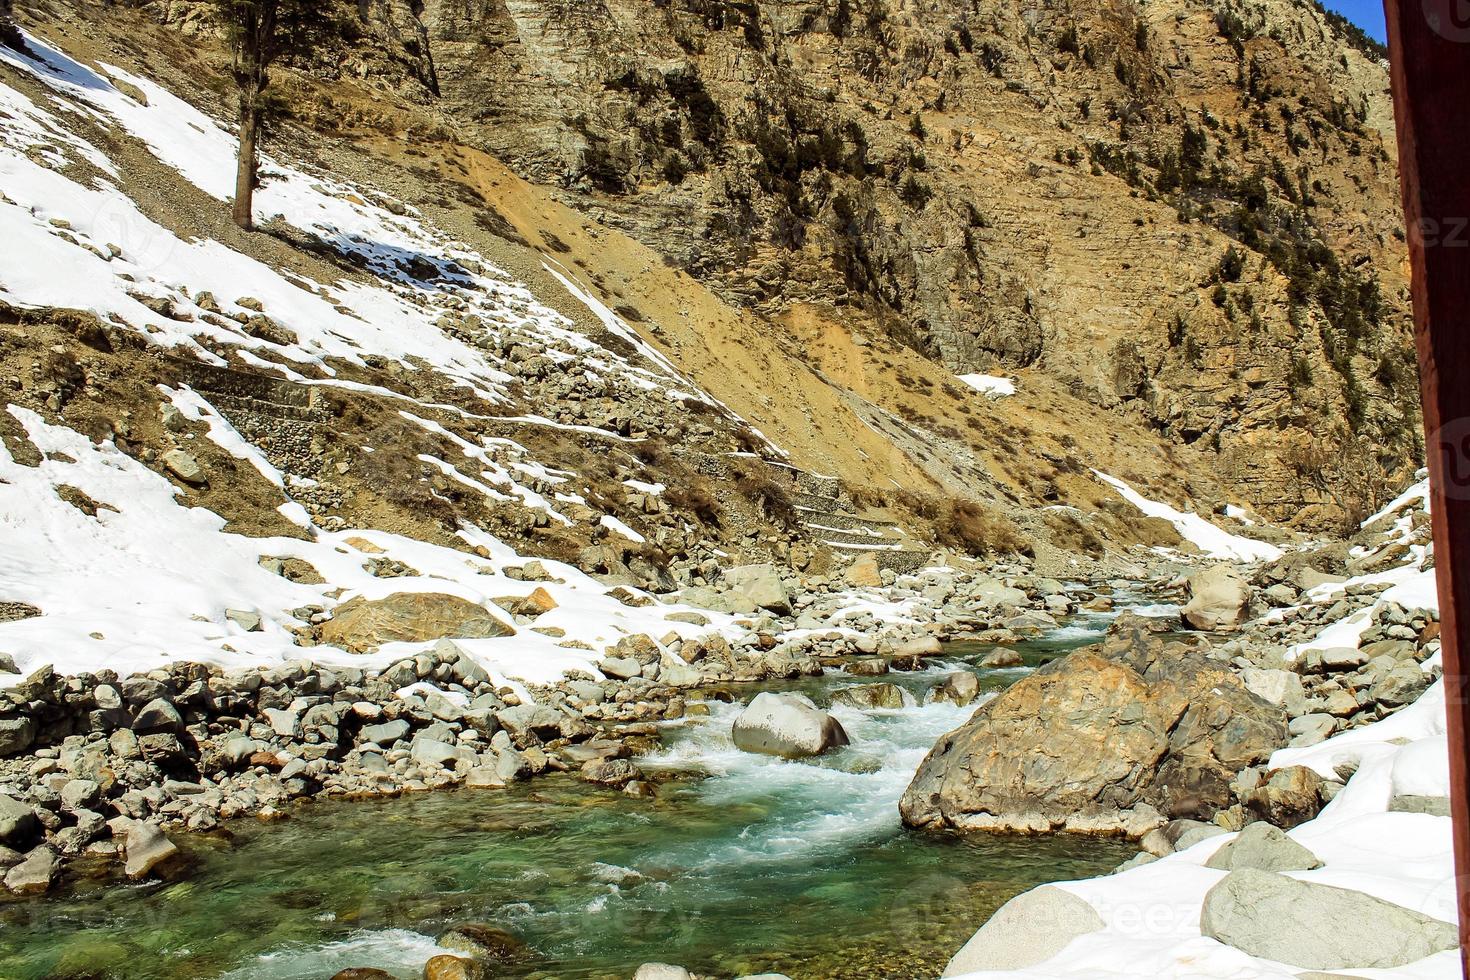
(258, 32)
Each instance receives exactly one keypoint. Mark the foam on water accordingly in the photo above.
(398, 951)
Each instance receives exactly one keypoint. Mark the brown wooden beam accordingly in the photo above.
(1429, 55)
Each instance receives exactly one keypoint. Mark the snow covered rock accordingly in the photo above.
(1098, 741)
(787, 725)
(1030, 928)
(1317, 927)
(1219, 598)
(361, 624)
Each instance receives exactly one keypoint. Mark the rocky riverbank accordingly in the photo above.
(101, 766)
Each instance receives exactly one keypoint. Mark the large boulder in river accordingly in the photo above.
(361, 625)
(1103, 740)
(1219, 598)
(788, 725)
(1317, 927)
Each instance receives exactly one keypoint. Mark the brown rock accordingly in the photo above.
(445, 967)
(360, 625)
(1091, 738)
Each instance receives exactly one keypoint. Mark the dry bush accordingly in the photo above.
(965, 525)
(696, 499)
(754, 482)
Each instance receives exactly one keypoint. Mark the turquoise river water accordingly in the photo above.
(742, 864)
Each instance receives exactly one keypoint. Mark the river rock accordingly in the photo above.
(788, 725)
(1098, 741)
(33, 876)
(446, 967)
(147, 848)
(1001, 657)
(1265, 848)
(361, 625)
(865, 696)
(610, 772)
(486, 943)
(960, 688)
(1317, 927)
(1219, 598)
(362, 973)
(1030, 928)
(868, 667)
(661, 971)
(761, 584)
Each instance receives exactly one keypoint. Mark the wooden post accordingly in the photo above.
(1429, 54)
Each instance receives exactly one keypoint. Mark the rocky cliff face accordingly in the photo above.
(1186, 213)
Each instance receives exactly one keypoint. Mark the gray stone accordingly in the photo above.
(1402, 685)
(1219, 598)
(1001, 657)
(16, 735)
(158, 715)
(761, 584)
(247, 619)
(661, 971)
(1317, 927)
(1343, 658)
(17, 821)
(484, 777)
(787, 725)
(185, 467)
(867, 696)
(1311, 729)
(33, 876)
(960, 688)
(678, 674)
(146, 848)
(283, 722)
(1281, 687)
(431, 752)
(1438, 806)
(620, 668)
(385, 734)
(1265, 848)
(79, 794)
(1030, 928)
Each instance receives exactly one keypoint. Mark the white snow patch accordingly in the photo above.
(990, 385)
(1208, 538)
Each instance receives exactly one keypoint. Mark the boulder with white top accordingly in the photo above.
(787, 725)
